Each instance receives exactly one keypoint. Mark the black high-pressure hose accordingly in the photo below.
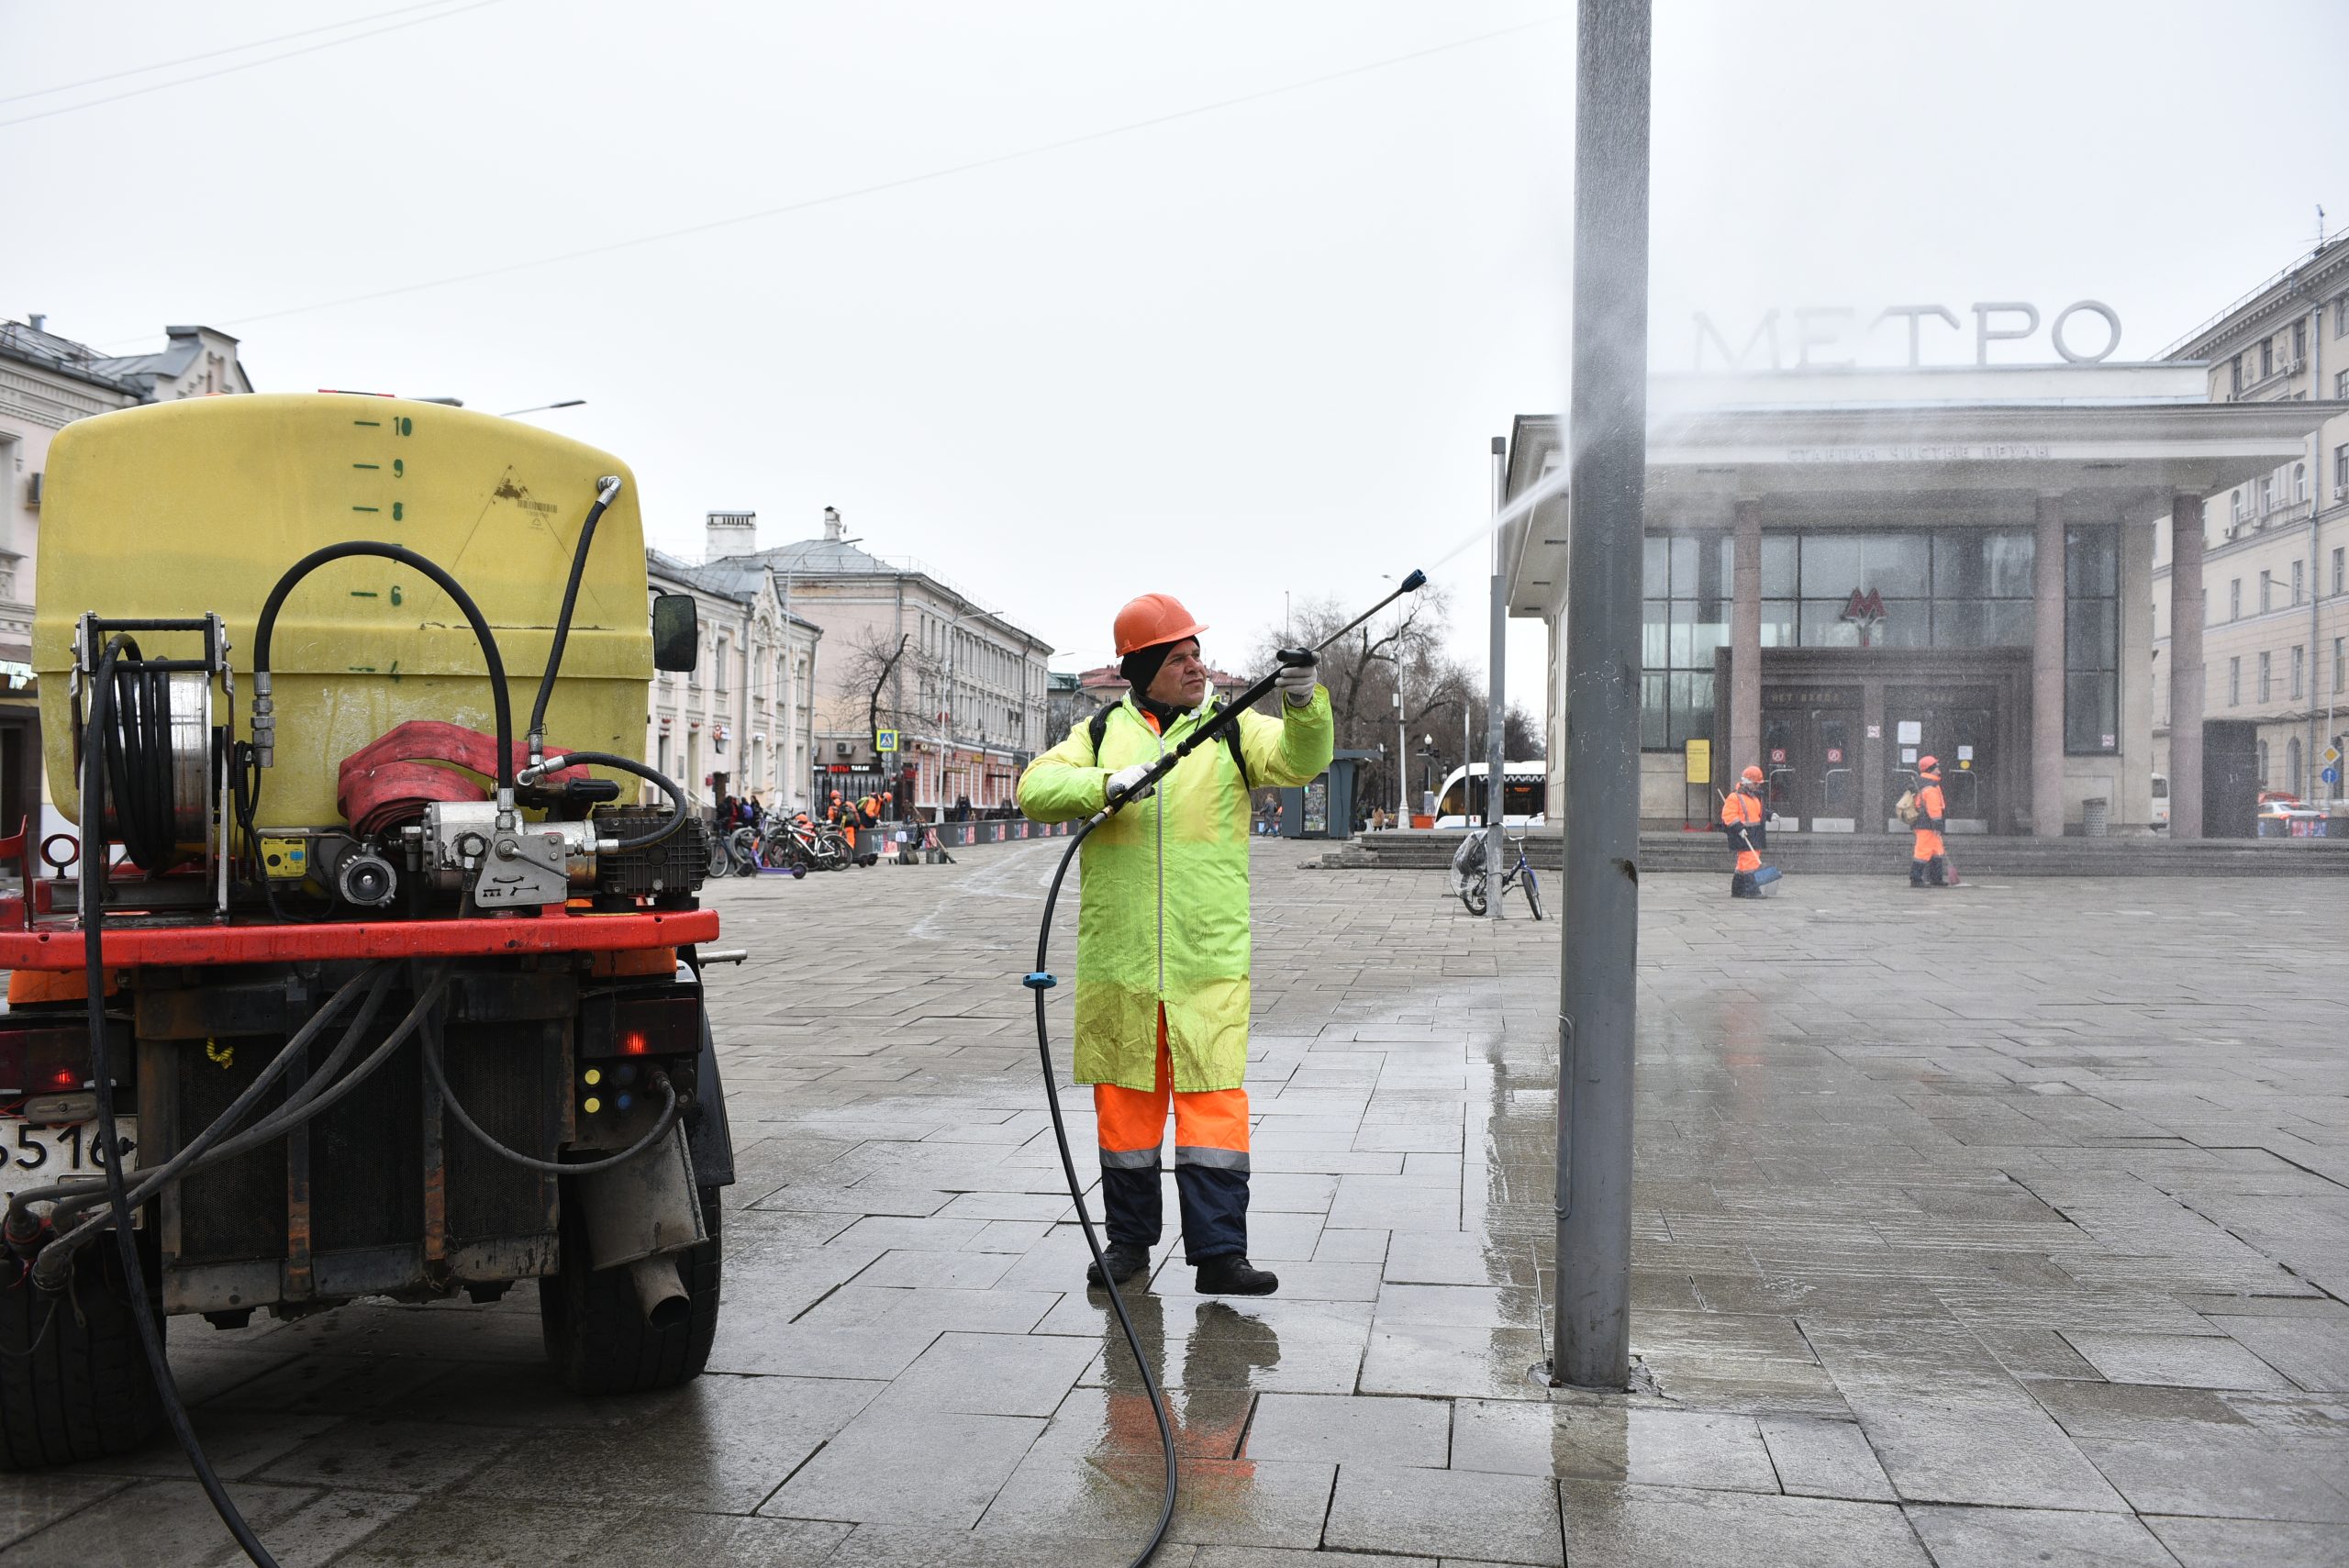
(606, 488)
(94, 966)
(68, 1199)
(1040, 982)
(1041, 979)
(678, 809)
(501, 700)
(672, 1111)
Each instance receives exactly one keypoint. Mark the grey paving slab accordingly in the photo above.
(990, 1374)
(462, 1533)
(2234, 1471)
(2313, 1351)
(33, 1501)
(1057, 1491)
(1997, 1537)
(1433, 1513)
(2231, 1543)
(724, 1447)
(903, 1467)
(154, 1522)
(390, 1456)
(2185, 1361)
(1610, 1525)
(900, 1545)
(1820, 1458)
(1609, 1442)
(1350, 1430)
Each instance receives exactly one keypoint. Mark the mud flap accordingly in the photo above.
(707, 1135)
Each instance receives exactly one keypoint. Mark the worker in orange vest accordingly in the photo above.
(842, 816)
(1741, 825)
(1929, 860)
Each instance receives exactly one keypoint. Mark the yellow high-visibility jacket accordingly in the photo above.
(1164, 888)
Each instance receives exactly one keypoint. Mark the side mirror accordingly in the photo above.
(676, 631)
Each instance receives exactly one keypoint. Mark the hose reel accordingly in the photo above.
(165, 744)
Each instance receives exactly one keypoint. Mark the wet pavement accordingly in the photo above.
(2004, 1225)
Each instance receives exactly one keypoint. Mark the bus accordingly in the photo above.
(1525, 796)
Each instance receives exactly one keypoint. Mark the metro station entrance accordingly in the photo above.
(1842, 730)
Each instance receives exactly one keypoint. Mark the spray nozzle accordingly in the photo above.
(1298, 658)
(1415, 582)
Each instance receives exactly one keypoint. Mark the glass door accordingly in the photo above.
(1959, 729)
(1810, 760)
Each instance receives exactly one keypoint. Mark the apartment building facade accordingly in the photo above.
(2275, 548)
(737, 723)
(960, 688)
(46, 382)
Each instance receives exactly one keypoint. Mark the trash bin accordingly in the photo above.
(2094, 813)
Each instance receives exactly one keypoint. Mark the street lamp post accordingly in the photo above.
(1597, 1000)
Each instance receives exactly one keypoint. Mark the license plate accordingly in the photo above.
(32, 1155)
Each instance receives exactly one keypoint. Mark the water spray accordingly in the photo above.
(1041, 979)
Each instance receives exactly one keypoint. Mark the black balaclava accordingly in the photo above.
(1140, 668)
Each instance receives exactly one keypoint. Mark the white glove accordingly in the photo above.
(1295, 683)
(1123, 780)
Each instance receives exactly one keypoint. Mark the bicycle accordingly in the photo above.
(1468, 867)
(743, 848)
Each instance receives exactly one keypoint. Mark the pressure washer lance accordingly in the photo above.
(1041, 979)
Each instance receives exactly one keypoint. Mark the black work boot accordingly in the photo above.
(1232, 1274)
(1916, 873)
(1126, 1258)
(1938, 871)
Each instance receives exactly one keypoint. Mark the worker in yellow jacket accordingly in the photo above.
(1162, 944)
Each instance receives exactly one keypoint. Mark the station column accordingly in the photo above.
(2187, 690)
(2047, 672)
(1745, 640)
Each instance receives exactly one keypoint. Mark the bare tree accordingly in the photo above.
(1361, 671)
(878, 670)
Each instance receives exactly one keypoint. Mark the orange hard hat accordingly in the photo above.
(1929, 764)
(1152, 619)
(835, 794)
(1753, 775)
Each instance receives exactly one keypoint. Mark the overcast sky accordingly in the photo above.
(1257, 346)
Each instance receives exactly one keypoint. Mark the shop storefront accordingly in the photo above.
(1848, 570)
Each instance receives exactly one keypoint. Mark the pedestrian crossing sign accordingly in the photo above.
(885, 739)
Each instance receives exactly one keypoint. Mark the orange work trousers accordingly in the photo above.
(1210, 1161)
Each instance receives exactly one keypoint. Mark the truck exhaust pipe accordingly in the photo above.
(659, 1291)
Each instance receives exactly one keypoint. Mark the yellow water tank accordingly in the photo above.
(198, 507)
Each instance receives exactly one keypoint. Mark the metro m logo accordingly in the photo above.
(1864, 609)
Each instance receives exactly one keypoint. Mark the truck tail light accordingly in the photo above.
(662, 1022)
(51, 1058)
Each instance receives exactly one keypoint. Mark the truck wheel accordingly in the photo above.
(596, 1332)
(74, 1383)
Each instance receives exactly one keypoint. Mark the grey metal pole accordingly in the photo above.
(1608, 455)
(1496, 674)
(1402, 750)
